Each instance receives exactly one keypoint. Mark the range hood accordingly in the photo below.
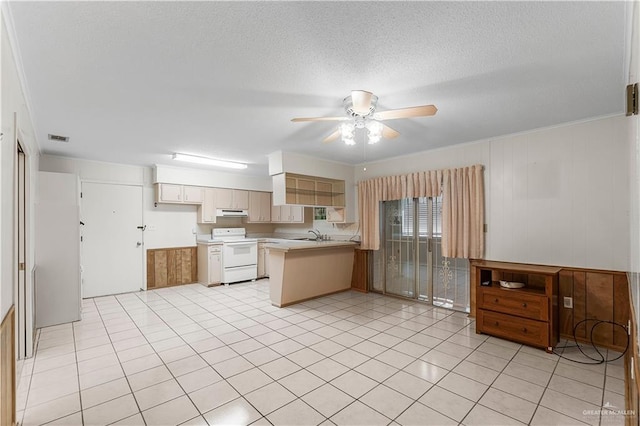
(231, 213)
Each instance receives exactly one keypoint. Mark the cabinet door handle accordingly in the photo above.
(524, 305)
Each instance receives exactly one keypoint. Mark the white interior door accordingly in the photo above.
(112, 245)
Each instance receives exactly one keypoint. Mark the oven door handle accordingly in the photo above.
(243, 243)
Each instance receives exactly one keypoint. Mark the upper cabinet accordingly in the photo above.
(184, 194)
(207, 211)
(259, 207)
(231, 199)
(308, 190)
(287, 214)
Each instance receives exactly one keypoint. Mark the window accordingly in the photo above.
(429, 212)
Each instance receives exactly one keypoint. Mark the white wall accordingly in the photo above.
(13, 101)
(556, 196)
(171, 225)
(200, 177)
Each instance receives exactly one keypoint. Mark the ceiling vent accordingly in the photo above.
(58, 138)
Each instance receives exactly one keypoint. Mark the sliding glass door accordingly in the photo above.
(399, 246)
(409, 262)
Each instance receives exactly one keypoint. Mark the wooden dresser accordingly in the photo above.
(526, 315)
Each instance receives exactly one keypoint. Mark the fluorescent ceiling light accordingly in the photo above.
(209, 161)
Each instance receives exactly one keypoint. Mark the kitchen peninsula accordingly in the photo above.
(302, 270)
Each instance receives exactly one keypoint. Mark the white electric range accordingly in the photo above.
(239, 254)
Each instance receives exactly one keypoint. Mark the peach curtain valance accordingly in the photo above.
(462, 193)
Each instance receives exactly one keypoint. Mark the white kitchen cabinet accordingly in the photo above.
(192, 194)
(335, 215)
(168, 193)
(231, 199)
(287, 214)
(207, 211)
(259, 207)
(296, 214)
(209, 264)
(178, 194)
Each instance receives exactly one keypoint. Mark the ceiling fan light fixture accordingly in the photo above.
(208, 161)
(349, 141)
(375, 131)
(347, 130)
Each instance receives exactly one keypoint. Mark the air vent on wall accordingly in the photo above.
(58, 138)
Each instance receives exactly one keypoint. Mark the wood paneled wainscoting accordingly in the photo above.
(360, 275)
(596, 294)
(8, 369)
(171, 266)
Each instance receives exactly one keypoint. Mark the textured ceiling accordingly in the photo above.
(133, 82)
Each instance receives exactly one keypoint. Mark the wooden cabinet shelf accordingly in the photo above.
(312, 191)
(526, 315)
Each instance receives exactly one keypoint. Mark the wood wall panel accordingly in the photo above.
(151, 270)
(565, 289)
(8, 369)
(596, 294)
(621, 312)
(172, 266)
(360, 275)
(161, 266)
(579, 304)
(600, 306)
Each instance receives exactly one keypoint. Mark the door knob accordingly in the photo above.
(138, 244)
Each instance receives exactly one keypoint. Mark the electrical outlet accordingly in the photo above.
(568, 302)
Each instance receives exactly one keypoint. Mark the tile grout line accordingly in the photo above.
(197, 353)
(357, 317)
(119, 363)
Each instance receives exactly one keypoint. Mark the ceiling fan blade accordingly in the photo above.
(388, 132)
(361, 101)
(416, 111)
(332, 137)
(296, 120)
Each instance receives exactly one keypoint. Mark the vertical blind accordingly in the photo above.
(423, 217)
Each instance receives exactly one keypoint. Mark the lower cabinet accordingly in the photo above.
(263, 261)
(210, 259)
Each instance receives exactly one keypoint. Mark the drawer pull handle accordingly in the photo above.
(524, 329)
(497, 324)
(524, 305)
(496, 300)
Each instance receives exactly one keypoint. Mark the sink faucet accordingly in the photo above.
(317, 234)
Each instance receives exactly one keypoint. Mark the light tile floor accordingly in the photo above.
(224, 355)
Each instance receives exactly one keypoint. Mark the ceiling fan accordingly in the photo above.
(360, 108)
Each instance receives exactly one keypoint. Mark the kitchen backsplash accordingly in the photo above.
(336, 231)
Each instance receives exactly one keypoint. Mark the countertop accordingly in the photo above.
(209, 242)
(289, 245)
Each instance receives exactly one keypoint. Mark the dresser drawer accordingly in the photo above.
(535, 333)
(514, 302)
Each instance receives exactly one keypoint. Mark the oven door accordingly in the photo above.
(239, 253)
